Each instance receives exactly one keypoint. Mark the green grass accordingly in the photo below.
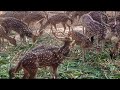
(96, 66)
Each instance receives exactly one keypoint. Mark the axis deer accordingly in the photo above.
(94, 28)
(99, 16)
(56, 19)
(76, 14)
(81, 40)
(27, 16)
(31, 61)
(15, 14)
(35, 16)
(3, 35)
(18, 26)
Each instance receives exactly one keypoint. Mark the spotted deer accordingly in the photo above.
(56, 19)
(76, 14)
(3, 35)
(41, 57)
(99, 16)
(15, 14)
(35, 16)
(94, 29)
(81, 40)
(27, 16)
(18, 26)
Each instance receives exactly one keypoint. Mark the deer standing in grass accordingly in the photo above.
(27, 16)
(15, 14)
(56, 19)
(81, 40)
(94, 28)
(18, 26)
(41, 57)
(78, 14)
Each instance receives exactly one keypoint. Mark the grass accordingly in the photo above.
(96, 66)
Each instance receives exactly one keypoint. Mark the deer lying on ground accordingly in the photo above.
(3, 35)
(41, 57)
(18, 26)
(56, 19)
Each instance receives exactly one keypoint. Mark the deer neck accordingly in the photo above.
(64, 48)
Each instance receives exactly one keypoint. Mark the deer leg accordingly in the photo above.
(32, 73)
(41, 22)
(23, 40)
(83, 30)
(51, 29)
(54, 71)
(83, 54)
(55, 26)
(64, 27)
(68, 27)
(102, 46)
(97, 40)
(0, 44)
(26, 74)
(78, 18)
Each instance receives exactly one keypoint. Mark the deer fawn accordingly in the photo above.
(41, 58)
(3, 35)
(94, 28)
(18, 26)
(82, 40)
(56, 19)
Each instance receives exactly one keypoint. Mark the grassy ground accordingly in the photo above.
(96, 66)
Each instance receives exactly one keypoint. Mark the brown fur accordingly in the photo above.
(4, 35)
(40, 57)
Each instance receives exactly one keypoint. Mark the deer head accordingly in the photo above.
(13, 41)
(114, 52)
(36, 35)
(67, 43)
